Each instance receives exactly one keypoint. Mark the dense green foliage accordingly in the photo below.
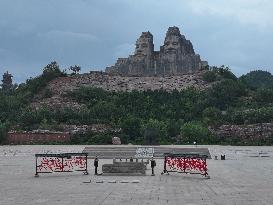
(218, 73)
(4, 127)
(22, 95)
(257, 79)
(251, 116)
(196, 132)
(264, 95)
(210, 76)
(226, 93)
(156, 117)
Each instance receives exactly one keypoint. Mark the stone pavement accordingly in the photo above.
(241, 179)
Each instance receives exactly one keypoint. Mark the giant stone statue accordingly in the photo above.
(175, 57)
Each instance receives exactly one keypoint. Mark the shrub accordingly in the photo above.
(224, 72)
(195, 131)
(250, 116)
(264, 95)
(257, 79)
(209, 76)
(212, 116)
(4, 128)
(226, 93)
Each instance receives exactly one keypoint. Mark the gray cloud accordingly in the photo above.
(123, 50)
(256, 13)
(92, 34)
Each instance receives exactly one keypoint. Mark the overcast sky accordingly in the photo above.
(94, 33)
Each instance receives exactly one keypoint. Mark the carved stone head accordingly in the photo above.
(144, 45)
(173, 41)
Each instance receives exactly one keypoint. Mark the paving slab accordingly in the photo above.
(240, 179)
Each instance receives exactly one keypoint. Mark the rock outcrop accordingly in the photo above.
(175, 57)
(62, 85)
(246, 133)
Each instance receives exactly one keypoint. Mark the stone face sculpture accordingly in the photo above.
(144, 45)
(175, 57)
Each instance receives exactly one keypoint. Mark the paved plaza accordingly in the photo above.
(245, 177)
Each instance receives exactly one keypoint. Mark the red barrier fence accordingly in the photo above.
(65, 162)
(190, 163)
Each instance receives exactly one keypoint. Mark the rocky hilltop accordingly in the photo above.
(174, 67)
(106, 81)
(175, 57)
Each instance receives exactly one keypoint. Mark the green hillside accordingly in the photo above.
(143, 114)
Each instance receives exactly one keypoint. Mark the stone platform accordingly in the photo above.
(124, 168)
(123, 151)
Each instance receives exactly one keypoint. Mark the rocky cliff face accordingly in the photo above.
(175, 57)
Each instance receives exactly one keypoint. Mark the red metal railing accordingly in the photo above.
(65, 162)
(191, 163)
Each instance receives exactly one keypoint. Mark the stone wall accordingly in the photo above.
(37, 137)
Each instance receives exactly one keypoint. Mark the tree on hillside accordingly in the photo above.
(196, 132)
(154, 132)
(75, 69)
(226, 93)
(51, 71)
(36, 84)
(131, 126)
(257, 79)
(223, 72)
(4, 127)
(264, 95)
(210, 76)
(212, 116)
(7, 82)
